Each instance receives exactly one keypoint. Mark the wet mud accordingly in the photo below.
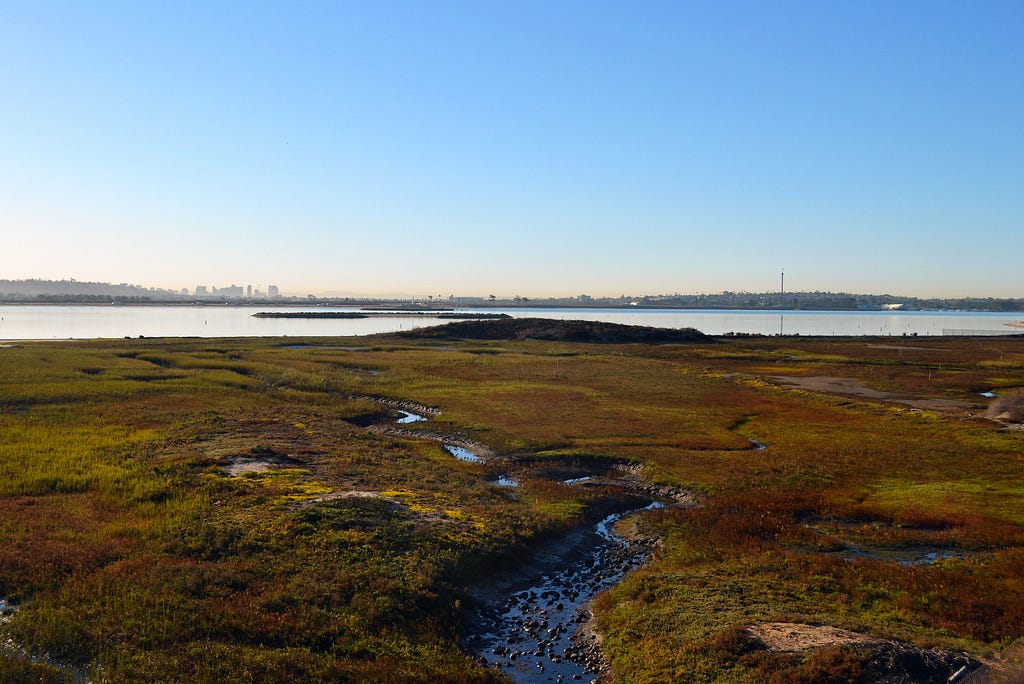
(533, 622)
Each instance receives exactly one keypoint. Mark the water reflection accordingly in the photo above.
(463, 454)
(86, 322)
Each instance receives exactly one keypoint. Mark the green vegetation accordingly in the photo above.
(139, 548)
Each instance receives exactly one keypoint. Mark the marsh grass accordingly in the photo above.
(138, 556)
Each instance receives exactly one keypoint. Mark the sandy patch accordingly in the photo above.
(900, 347)
(854, 388)
(1008, 409)
(886, 660)
(794, 637)
(335, 495)
(241, 465)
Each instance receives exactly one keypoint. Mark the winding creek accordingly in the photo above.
(539, 631)
(533, 624)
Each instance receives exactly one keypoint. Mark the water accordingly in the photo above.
(825, 323)
(532, 635)
(88, 322)
(408, 417)
(463, 454)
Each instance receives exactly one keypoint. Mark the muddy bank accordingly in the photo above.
(531, 619)
(480, 450)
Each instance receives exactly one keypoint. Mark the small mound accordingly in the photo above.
(1007, 409)
(882, 660)
(554, 330)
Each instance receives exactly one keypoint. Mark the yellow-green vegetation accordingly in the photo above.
(201, 510)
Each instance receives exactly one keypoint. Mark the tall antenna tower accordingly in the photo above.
(782, 282)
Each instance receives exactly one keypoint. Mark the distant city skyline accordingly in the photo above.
(531, 148)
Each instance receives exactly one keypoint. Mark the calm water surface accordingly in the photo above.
(88, 322)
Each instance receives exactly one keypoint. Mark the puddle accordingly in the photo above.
(409, 417)
(506, 481)
(921, 555)
(534, 635)
(988, 395)
(577, 480)
(758, 446)
(463, 454)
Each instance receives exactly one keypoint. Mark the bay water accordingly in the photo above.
(45, 322)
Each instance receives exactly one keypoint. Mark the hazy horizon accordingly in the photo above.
(532, 149)
(260, 291)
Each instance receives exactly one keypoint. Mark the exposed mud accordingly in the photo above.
(533, 622)
(923, 548)
(1007, 409)
(259, 461)
(854, 388)
(400, 405)
(478, 449)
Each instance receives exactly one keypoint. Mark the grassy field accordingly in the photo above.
(132, 554)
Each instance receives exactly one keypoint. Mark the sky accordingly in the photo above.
(532, 148)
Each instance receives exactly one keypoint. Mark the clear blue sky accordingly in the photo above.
(532, 148)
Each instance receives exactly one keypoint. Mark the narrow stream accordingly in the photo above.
(533, 634)
(529, 626)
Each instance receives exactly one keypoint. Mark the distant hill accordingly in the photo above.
(558, 331)
(61, 290)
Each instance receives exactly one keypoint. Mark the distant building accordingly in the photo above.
(229, 291)
(273, 291)
(248, 290)
(200, 290)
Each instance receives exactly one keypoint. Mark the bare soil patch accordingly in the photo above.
(886, 660)
(793, 637)
(258, 461)
(1008, 409)
(854, 388)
